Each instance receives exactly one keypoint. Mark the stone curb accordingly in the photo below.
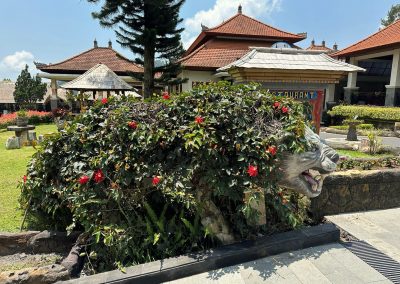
(187, 265)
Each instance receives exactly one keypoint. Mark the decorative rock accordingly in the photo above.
(11, 243)
(32, 136)
(353, 190)
(74, 262)
(46, 242)
(41, 138)
(44, 275)
(13, 143)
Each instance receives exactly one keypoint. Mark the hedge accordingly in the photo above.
(35, 117)
(366, 112)
(163, 177)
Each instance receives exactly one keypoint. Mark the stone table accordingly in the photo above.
(21, 132)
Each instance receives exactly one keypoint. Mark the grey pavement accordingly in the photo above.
(380, 228)
(323, 264)
(390, 141)
(331, 263)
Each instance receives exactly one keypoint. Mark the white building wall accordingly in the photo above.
(196, 76)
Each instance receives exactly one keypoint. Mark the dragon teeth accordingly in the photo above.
(315, 187)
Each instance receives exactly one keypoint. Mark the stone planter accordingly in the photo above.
(355, 190)
(22, 121)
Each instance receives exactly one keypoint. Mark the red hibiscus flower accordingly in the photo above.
(284, 109)
(272, 150)
(155, 180)
(98, 176)
(276, 104)
(104, 101)
(166, 96)
(24, 178)
(199, 119)
(84, 179)
(132, 124)
(252, 171)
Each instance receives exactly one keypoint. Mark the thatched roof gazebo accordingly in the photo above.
(98, 79)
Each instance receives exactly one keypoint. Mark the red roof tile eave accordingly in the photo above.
(381, 48)
(199, 68)
(287, 38)
(202, 37)
(65, 71)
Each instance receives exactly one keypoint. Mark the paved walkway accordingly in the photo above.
(324, 264)
(390, 141)
(331, 263)
(380, 228)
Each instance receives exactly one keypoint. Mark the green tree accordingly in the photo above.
(392, 15)
(149, 29)
(28, 89)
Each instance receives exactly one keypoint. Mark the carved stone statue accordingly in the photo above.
(305, 172)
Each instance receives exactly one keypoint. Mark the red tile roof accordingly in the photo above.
(384, 38)
(319, 47)
(243, 26)
(86, 60)
(211, 58)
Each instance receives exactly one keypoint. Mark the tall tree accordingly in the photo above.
(28, 89)
(149, 28)
(392, 15)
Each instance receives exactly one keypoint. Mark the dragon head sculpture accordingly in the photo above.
(305, 172)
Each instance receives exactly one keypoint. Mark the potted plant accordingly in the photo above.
(22, 118)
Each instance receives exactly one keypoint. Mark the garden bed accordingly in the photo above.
(187, 265)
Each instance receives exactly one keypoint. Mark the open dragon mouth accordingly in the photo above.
(314, 179)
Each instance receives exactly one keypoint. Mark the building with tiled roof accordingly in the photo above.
(71, 68)
(322, 47)
(82, 62)
(387, 38)
(218, 46)
(379, 54)
(8, 104)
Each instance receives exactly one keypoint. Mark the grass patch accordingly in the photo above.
(12, 168)
(357, 154)
(363, 126)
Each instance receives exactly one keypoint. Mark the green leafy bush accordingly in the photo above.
(366, 112)
(147, 180)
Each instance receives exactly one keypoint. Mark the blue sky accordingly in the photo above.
(49, 31)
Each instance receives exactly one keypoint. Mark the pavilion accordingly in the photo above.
(217, 47)
(379, 54)
(99, 78)
(307, 75)
(75, 66)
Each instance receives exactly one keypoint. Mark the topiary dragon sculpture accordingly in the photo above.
(155, 179)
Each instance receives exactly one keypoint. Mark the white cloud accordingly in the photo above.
(18, 60)
(222, 10)
(11, 65)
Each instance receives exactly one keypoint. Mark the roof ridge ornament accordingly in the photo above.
(95, 43)
(204, 27)
(240, 9)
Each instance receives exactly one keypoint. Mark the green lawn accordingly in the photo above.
(357, 154)
(12, 168)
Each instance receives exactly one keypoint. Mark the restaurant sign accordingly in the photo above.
(314, 97)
